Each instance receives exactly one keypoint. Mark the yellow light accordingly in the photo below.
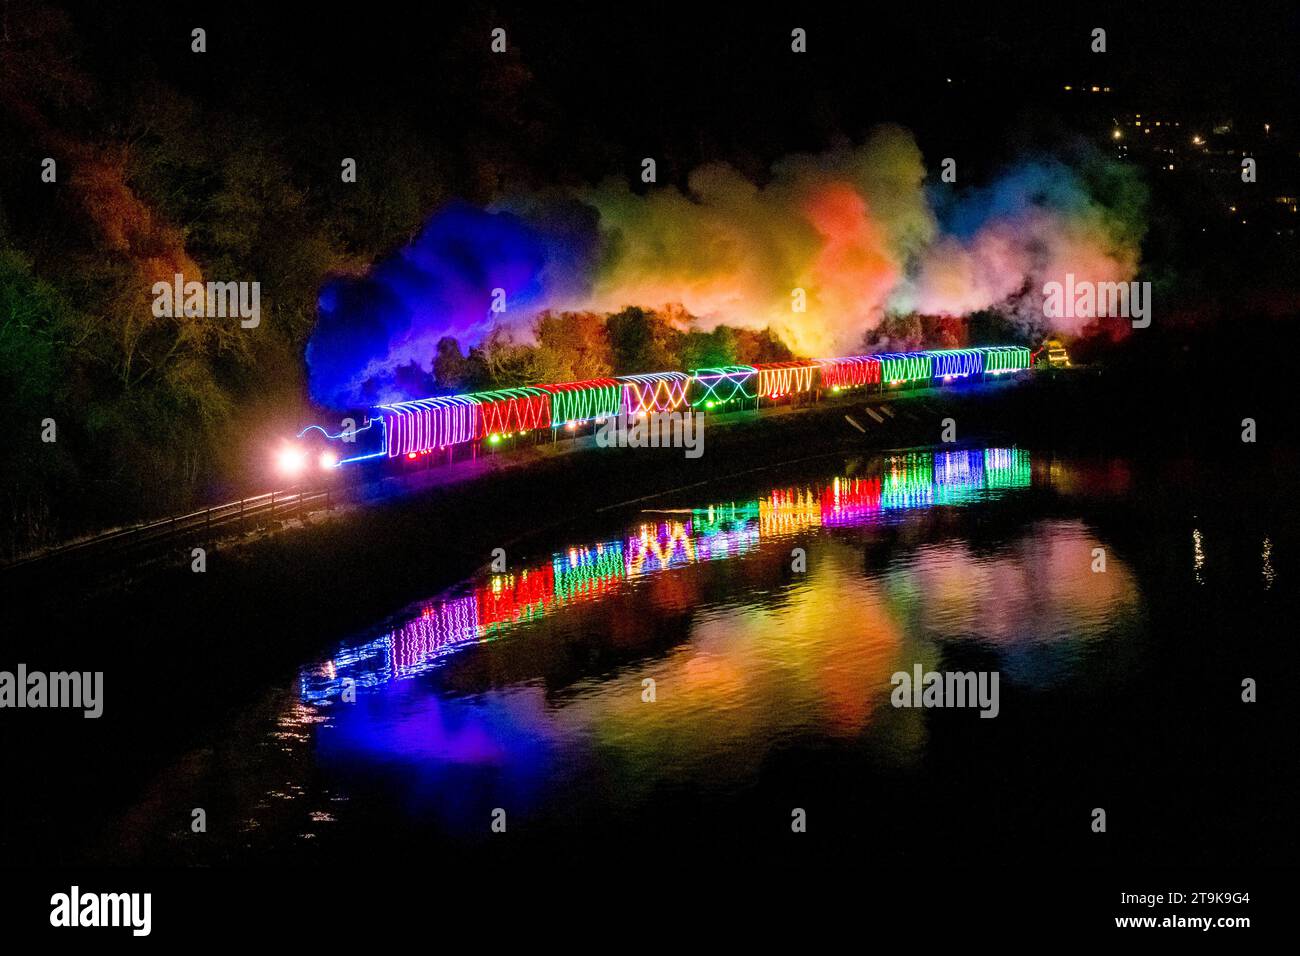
(1116, 134)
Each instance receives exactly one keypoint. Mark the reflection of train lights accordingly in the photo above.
(788, 511)
(849, 501)
(717, 532)
(658, 547)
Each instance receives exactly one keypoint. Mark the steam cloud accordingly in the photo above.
(856, 228)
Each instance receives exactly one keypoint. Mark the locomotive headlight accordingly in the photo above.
(329, 460)
(291, 460)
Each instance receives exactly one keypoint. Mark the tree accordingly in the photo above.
(575, 344)
(643, 341)
(709, 349)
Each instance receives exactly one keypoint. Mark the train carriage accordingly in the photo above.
(851, 371)
(722, 385)
(1000, 359)
(429, 424)
(777, 380)
(508, 411)
(957, 363)
(898, 368)
(573, 403)
(654, 392)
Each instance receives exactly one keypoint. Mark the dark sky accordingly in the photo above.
(720, 70)
(605, 83)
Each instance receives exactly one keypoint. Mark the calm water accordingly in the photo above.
(526, 691)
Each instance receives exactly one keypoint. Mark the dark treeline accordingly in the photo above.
(154, 175)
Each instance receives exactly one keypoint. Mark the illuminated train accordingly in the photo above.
(409, 430)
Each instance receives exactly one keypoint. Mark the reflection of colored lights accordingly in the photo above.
(588, 571)
(718, 532)
(1007, 468)
(788, 510)
(850, 500)
(514, 598)
(665, 546)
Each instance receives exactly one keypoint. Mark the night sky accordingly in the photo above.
(600, 85)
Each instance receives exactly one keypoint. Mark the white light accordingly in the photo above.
(291, 460)
(329, 460)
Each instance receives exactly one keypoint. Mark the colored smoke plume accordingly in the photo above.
(865, 231)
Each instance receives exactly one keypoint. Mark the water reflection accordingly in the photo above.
(907, 481)
(771, 675)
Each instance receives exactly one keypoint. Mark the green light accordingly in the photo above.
(726, 383)
(708, 404)
(573, 402)
(905, 366)
(1006, 358)
(495, 438)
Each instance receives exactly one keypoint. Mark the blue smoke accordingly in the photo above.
(375, 335)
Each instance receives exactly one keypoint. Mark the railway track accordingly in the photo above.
(154, 539)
